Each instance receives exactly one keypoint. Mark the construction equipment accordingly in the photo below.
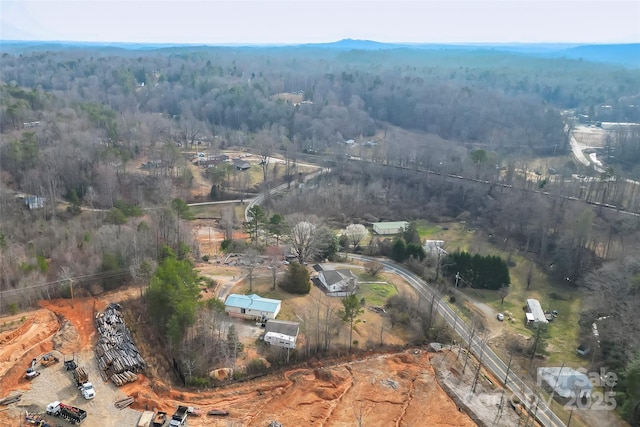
(35, 419)
(159, 419)
(31, 370)
(70, 364)
(48, 360)
(70, 413)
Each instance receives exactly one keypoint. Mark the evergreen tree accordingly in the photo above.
(173, 297)
(296, 279)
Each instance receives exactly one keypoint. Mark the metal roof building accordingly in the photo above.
(534, 312)
(390, 227)
(252, 306)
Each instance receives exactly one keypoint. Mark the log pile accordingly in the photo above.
(123, 403)
(117, 355)
(11, 399)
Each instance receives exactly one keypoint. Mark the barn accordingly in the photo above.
(390, 227)
(252, 306)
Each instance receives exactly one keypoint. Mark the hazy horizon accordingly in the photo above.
(269, 22)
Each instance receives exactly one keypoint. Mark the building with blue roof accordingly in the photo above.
(252, 307)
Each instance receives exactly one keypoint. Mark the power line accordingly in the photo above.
(101, 275)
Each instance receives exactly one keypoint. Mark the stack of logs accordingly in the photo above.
(118, 357)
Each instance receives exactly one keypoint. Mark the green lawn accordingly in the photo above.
(376, 293)
(456, 236)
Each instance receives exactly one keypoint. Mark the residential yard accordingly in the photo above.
(456, 235)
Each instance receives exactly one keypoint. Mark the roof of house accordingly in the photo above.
(391, 225)
(241, 163)
(565, 381)
(253, 302)
(333, 277)
(535, 309)
(282, 327)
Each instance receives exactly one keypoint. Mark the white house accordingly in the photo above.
(390, 227)
(252, 306)
(282, 333)
(534, 312)
(339, 282)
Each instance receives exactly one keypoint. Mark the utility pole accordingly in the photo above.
(475, 380)
(71, 288)
(506, 377)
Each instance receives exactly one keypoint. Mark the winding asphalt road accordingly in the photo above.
(490, 359)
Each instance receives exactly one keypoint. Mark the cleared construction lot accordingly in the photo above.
(55, 383)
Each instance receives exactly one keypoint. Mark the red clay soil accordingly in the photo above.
(22, 344)
(383, 390)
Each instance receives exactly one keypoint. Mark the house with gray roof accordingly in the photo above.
(335, 282)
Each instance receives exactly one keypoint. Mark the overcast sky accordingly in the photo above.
(303, 21)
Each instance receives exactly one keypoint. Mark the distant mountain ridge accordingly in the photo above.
(627, 55)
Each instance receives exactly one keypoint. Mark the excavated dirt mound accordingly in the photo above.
(385, 390)
(19, 346)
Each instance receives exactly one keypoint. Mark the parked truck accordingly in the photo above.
(179, 418)
(70, 413)
(80, 377)
(82, 382)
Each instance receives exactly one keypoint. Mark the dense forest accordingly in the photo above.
(443, 134)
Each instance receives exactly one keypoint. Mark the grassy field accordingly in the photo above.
(376, 293)
(456, 235)
(552, 296)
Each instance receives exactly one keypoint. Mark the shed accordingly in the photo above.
(534, 312)
(390, 227)
(252, 306)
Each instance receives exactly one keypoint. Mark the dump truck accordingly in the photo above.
(70, 413)
(179, 418)
(82, 382)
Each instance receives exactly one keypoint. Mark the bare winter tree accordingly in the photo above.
(613, 298)
(304, 236)
(251, 262)
(356, 233)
